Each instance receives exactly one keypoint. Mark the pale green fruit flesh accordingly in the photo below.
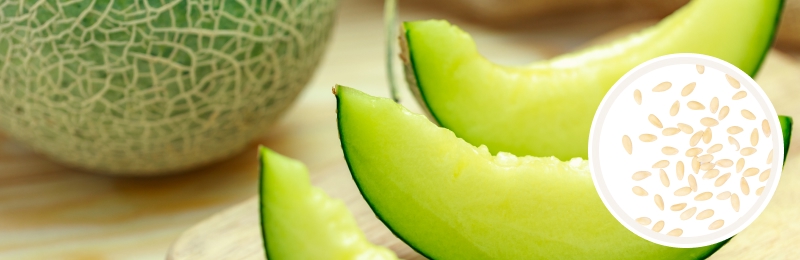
(300, 221)
(546, 108)
(450, 200)
(146, 87)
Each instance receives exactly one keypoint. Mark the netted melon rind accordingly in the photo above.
(147, 87)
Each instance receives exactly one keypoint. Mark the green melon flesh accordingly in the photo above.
(546, 108)
(152, 86)
(450, 200)
(299, 221)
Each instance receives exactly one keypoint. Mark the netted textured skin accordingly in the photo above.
(153, 86)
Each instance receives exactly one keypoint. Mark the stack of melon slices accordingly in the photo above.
(507, 176)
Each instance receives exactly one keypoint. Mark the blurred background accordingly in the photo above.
(51, 211)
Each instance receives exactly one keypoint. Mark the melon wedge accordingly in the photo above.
(450, 200)
(299, 221)
(546, 108)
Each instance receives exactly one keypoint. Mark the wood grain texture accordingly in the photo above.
(48, 211)
(235, 233)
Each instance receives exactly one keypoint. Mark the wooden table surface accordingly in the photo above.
(48, 211)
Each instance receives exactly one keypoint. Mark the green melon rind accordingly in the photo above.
(162, 86)
(786, 129)
(417, 88)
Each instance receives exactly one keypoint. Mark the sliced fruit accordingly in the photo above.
(450, 200)
(299, 221)
(546, 108)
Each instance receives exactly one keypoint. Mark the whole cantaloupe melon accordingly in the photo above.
(153, 86)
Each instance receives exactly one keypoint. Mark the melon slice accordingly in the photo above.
(450, 200)
(299, 221)
(546, 108)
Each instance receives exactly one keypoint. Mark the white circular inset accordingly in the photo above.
(686, 150)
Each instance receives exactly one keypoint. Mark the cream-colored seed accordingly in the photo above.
(745, 187)
(715, 148)
(716, 224)
(724, 163)
(694, 105)
(754, 137)
(692, 183)
(764, 175)
(658, 226)
(668, 150)
(678, 207)
(654, 120)
(695, 165)
(689, 213)
(722, 179)
(759, 191)
(637, 96)
(769, 157)
(748, 151)
(661, 164)
(675, 108)
(659, 202)
(723, 112)
(735, 202)
(740, 165)
(661, 87)
(748, 115)
(696, 138)
(687, 129)
(639, 191)
(707, 121)
(647, 138)
(679, 170)
(691, 152)
(643, 221)
(703, 196)
(739, 95)
(705, 214)
(705, 158)
(640, 175)
(733, 142)
(724, 195)
(688, 89)
(627, 144)
(707, 135)
(700, 69)
(664, 178)
(750, 172)
(669, 131)
(765, 128)
(733, 82)
(710, 174)
(675, 232)
(706, 166)
(734, 130)
(714, 105)
(683, 191)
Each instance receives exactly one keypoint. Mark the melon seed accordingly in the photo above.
(733, 82)
(626, 143)
(688, 89)
(639, 191)
(716, 224)
(661, 87)
(714, 105)
(678, 207)
(748, 115)
(637, 96)
(640, 175)
(705, 214)
(739, 95)
(723, 112)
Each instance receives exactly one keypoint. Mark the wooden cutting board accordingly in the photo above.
(235, 232)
